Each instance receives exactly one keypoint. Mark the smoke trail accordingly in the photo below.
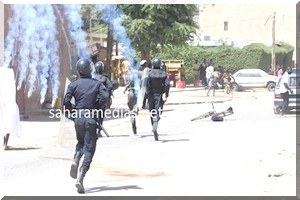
(47, 28)
(10, 40)
(54, 58)
(54, 71)
(64, 32)
(72, 11)
(33, 27)
(34, 51)
(27, 28)
(114, 17)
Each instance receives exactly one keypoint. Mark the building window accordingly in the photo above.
(225, 26)
(206, 38)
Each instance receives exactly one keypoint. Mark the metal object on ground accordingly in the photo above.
(214, 114)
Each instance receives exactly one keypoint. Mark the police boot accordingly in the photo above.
(75, 164)
(154, 122)
(155, 135)
(133, 123)
(79, 182)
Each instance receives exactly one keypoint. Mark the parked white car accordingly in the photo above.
(253, 78)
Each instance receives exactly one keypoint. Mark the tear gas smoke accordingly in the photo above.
(72, 12)
(31, 44)
(113, 16)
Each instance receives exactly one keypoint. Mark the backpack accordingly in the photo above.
(157, 78)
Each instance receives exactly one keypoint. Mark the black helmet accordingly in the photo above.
(83, 66)
(99, 67)
(156, 63)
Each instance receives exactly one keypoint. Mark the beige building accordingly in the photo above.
(241, 24)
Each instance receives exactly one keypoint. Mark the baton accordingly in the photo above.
(100, 127)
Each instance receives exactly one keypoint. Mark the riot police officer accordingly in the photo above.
(89, 95)
(132, 103)
(103, 78)
(157, 89)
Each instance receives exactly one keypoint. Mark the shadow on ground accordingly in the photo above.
(21, 148)
(43, 115)
(175, 140)
(152, 135)
(107, 188)
(38, 118)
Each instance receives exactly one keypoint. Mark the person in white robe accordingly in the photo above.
(9, 110)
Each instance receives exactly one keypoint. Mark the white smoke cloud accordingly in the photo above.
(33, 35)
(72, 12)
(114, 17)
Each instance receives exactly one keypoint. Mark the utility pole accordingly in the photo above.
(109, 51)
(273, 46)
(117, 48)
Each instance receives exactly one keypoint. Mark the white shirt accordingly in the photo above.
(284, 79)
(209, 70)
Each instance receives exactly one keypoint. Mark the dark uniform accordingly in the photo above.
(89, 94)
(131, 98)
(131, 103)
(157, 85)
(103, 78)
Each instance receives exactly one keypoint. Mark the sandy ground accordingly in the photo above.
(250, 153)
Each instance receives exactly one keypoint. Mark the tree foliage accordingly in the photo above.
(152, 25)
(91, 19)
(149, 25)
(255, 55)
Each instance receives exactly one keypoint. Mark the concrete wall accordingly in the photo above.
(252, 22)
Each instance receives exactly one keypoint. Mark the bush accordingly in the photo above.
(255, 55)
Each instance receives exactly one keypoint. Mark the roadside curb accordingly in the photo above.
(197, 102)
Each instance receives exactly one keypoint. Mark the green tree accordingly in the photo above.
(150, 26)
(91, 19)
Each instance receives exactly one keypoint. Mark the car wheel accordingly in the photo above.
(235, 87)
(271, 86)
